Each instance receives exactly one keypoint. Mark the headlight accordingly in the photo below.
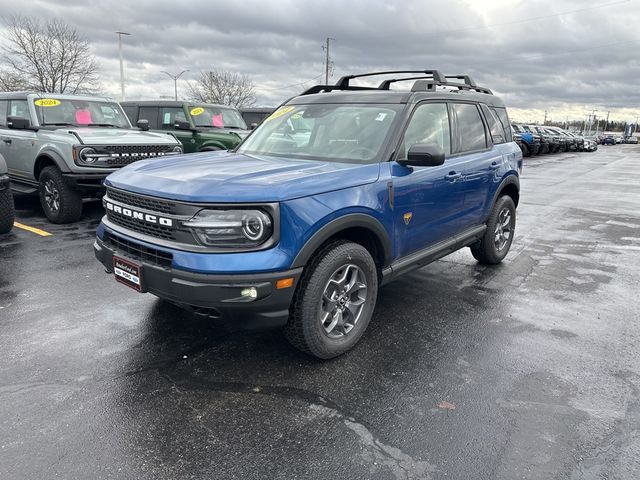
(177, 149)
(231, 228)
(86, 155)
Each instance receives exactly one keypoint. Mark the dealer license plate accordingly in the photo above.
(128, 273)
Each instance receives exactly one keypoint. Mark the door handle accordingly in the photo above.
(453, 176)
(6, 140)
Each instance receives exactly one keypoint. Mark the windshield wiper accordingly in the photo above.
(234, 127)
(102, 125)
(59, 124)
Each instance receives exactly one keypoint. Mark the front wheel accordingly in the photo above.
(495, 243)
(61, 203)
(334, 300)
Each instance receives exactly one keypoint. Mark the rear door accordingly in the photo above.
(478, 161)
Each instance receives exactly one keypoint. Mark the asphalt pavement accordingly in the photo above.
(528, 370)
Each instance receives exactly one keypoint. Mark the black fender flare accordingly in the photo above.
(509, 180)
(55, 157)
(352, 220)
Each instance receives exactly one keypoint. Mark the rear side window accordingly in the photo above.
(151, 115)
(3, 113)
(495, 126)
(501, 113)
(471, 132)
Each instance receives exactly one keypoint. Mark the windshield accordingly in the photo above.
(216, 117)
(91, 113)
(329, 132)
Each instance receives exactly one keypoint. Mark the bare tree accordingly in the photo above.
(49, 56)
(225, 88)
(11, 81)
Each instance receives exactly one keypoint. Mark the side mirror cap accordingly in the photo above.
(143, 125)
(424, 155)
(18, 123)
(181, 125)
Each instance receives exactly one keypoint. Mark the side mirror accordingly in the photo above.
(143, 125)
(424, 155)
(18, 123)
(253, 126)
(181, 125)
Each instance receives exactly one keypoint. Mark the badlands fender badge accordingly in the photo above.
(407, 217)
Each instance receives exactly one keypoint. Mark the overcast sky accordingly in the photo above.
(566, 57)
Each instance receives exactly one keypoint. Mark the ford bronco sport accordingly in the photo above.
(63, 146)
(201, 127)
(342, 189)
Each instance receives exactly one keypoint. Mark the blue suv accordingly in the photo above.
(339, 191)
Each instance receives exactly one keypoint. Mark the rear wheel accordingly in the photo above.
(7, 211)
(495, 243)
(61, 203)
(334, 300)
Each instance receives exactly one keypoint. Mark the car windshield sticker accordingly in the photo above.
(47, 102)
(278, 113)
(167, 118)
(197, 111)
(381, 116)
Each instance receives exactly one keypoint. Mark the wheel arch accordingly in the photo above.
(509, 186)
(46, 159)
(358, 228)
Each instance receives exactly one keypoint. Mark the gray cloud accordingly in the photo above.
(566, 64)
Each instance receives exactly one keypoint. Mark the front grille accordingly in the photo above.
(152, 229)
(138, 252)
(139, 201)
(125, 154)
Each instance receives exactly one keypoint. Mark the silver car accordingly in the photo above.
(63, 146)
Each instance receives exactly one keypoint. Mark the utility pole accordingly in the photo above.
(175, 80)
(545, 118)
(326, 60)
(120, 34)
(635, 129)
(592, 117)
(606, 123)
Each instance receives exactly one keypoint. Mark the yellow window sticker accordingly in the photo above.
(197, 111)
(278, 113)
(47, 102)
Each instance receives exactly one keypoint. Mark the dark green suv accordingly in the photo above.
(199, 126)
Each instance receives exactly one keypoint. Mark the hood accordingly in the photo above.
(119, 136)
(227, 177)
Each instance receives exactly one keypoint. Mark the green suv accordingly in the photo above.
(200, 127)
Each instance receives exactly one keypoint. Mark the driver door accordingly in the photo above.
(427, 200)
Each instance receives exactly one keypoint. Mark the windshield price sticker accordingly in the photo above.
(47, 102)
(197, 111)
(278, 113)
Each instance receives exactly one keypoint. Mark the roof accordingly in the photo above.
(257, 109)
(170, 103)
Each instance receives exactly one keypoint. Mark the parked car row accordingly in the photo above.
(539, 140)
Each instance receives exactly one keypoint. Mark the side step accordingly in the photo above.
(24, 188)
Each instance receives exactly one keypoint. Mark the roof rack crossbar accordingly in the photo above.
(430, 85)
(466, 78)
(344, 81)
(385, 84)
(330, 88)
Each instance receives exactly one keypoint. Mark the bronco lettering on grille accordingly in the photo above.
(146, 217)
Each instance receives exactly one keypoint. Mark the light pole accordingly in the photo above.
(175, 80)
(591, 119)
(120, 34)
(635, 129)
(327, 60)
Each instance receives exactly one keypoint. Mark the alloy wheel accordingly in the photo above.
(343, 300)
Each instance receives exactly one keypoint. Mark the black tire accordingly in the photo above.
(61, 203)
(487, 251)
(7, 211)
(305, 328)
(526, 150)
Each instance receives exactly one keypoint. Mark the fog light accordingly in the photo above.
(250, 292)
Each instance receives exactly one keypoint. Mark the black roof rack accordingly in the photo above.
(427, 81)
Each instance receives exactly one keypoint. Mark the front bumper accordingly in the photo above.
(212, 295)
(88, 181)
